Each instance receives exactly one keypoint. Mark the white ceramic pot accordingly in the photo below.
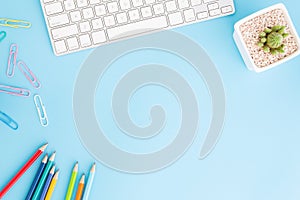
(244, 50)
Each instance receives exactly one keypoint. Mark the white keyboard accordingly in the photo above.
(74, 25)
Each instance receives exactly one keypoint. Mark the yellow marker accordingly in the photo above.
(52, 186)
(14, 23)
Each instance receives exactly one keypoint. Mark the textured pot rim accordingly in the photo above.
(258, 13)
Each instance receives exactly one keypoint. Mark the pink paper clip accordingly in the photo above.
(30, 76)
(21, 92)
(12, 60)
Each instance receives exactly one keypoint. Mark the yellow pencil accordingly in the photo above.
(80, 188)
(52, 186)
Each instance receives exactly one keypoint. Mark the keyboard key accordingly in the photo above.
(100, 10)
(88, 13)
(125, 4)
(58, 20)
(149, 1)
(48, 1)
(109, 20)
(122, 18)
(213, 6)
(175, 18)
(196, 2)
(85, 40)
(112, 7)
(64, 31)
(208, 1)
(215, 12)
(69, 5)
(189, 15)
(54, 8)
(94, 1)
(137, 3)
(183, 4)
(137, 28)
(146, 12)
(158, 9)
(72, 43)
(60, 46)
(97, 24)
(134, 15)
(226, 9)
(99, 37)
(202, 15)
(75, 16)
(82, 3)
(171, 6)
(84, 27)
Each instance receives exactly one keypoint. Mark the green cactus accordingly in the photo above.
(271, 39)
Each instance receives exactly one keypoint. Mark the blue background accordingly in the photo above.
(257, 156)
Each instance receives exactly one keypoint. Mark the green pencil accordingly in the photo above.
(72, 182)
(43, 178)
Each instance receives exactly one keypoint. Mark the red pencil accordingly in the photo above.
(22, 170)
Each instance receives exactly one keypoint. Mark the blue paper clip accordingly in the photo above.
(41, 110)
(2, 35)
(8, 121)
(30, 76)
(12, 60)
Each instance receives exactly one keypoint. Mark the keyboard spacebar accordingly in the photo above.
(137, 28)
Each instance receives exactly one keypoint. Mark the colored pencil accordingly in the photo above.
(37, 154)
(72, 182)
(37, 177)
(39, 187)
(47, 183)
(52, 186)
(89, 183)
(80, 188)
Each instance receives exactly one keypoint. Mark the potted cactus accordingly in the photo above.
(267, 38)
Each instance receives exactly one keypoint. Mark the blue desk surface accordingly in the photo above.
(257, 156)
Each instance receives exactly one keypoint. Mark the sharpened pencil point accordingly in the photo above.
(82, 178)
(52, 156)
(45, 159)
(93, 169)
(52, 170)
(44, 147)
(75, 169)
(56, 174)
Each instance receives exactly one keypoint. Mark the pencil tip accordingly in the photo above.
(76, 167)
(93, 169)
(45, 159)
(52, 156)
(52, 169)
(44, 147)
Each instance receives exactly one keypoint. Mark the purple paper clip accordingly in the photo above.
(21, 92)
(12, 60)
(30, 76)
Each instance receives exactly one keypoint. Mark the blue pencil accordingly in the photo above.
(47, 183)
(89, 184)
(37, 178)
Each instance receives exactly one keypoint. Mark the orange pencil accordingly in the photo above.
(80, 188)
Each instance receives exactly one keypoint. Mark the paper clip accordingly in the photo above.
(14, 91)
(12, 60)
(2, 35)
(30, 76)
(8, 121)
(14, 23)
(41, 110)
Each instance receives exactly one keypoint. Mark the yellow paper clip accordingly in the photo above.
(14, 23)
